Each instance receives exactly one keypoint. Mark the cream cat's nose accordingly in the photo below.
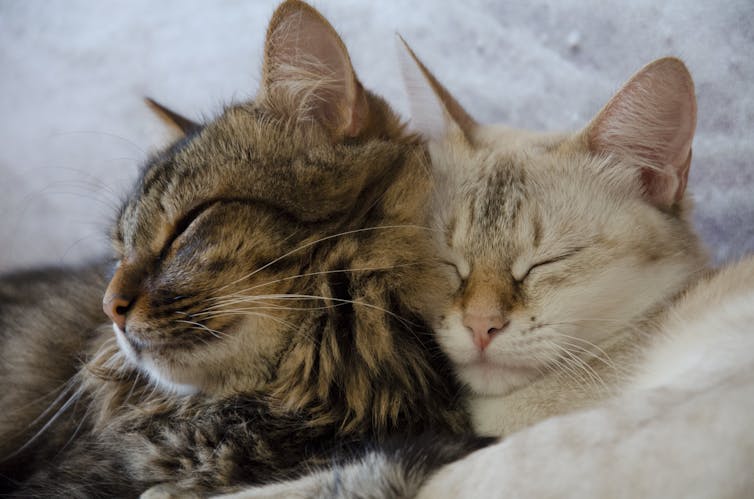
(484, 327)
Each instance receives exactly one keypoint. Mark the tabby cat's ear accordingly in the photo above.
(307, 64)
(651, 121)
(180, 123)
(435, 113)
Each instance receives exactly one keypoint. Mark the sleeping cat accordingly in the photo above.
(583, 280)
(568, 247)
(580, 280)
(681, 426)
(267, 309)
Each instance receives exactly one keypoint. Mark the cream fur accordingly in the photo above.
(681, 428)
(653, 398)
(563, 236)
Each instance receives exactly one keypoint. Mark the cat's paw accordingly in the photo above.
(168, 491)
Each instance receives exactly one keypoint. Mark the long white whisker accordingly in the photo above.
(592, 354)
(246, 299)
(561, 367)
(322, 272)
(65, 387)
(578, 363)
(221, 312)
(588, 343)
(213, 332)
(556, 368)
(322, 239)
(73, 398)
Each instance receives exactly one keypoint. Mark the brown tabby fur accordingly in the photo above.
(293, 240)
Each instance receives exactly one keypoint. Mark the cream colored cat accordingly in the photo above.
(568, 246)
(581, 279)
(681, 428)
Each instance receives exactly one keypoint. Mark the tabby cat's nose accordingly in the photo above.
(484, 327)
(116, 307)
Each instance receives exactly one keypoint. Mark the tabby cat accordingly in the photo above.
(579, 280)
(268, 308)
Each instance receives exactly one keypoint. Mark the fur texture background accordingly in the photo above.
(73, 127)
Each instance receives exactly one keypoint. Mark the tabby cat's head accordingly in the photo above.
(243, 243)
(559, 239)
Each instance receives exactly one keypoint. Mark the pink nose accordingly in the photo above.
(116, 307)
(484, 327)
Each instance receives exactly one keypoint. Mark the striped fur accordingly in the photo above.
(281, 273)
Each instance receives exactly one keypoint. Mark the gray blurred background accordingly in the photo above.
(74, 130)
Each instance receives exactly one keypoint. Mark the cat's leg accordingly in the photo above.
(396, 470)
(168, 491)
(318, 484)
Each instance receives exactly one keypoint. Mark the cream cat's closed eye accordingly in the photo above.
(521, 271)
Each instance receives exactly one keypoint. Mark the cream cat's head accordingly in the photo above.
(559, 240)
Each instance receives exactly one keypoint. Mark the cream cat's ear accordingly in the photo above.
(435, 113)
(651, 120)
(306, 61)
(179, 123)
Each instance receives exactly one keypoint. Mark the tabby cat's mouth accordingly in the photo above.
(130, 348)
(135, 347)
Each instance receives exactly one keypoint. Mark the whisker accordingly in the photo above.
(322, 239)
(213, 332)
(73, 398)
(292, 296)
(325, 272)
(220, 313)
(607, 361)
(571, 364)
(588, 343)
(68, 386)
(588, 370)
(64, 385)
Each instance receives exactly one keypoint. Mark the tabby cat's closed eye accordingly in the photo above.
(184, 224)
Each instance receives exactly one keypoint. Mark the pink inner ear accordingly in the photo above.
(306, 58)
(434, 110)
(651, 123)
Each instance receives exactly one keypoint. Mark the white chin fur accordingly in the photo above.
(147, 366)
(124, 346)
(492, 377)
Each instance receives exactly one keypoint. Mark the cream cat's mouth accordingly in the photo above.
(484, 363)
(492, 377)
